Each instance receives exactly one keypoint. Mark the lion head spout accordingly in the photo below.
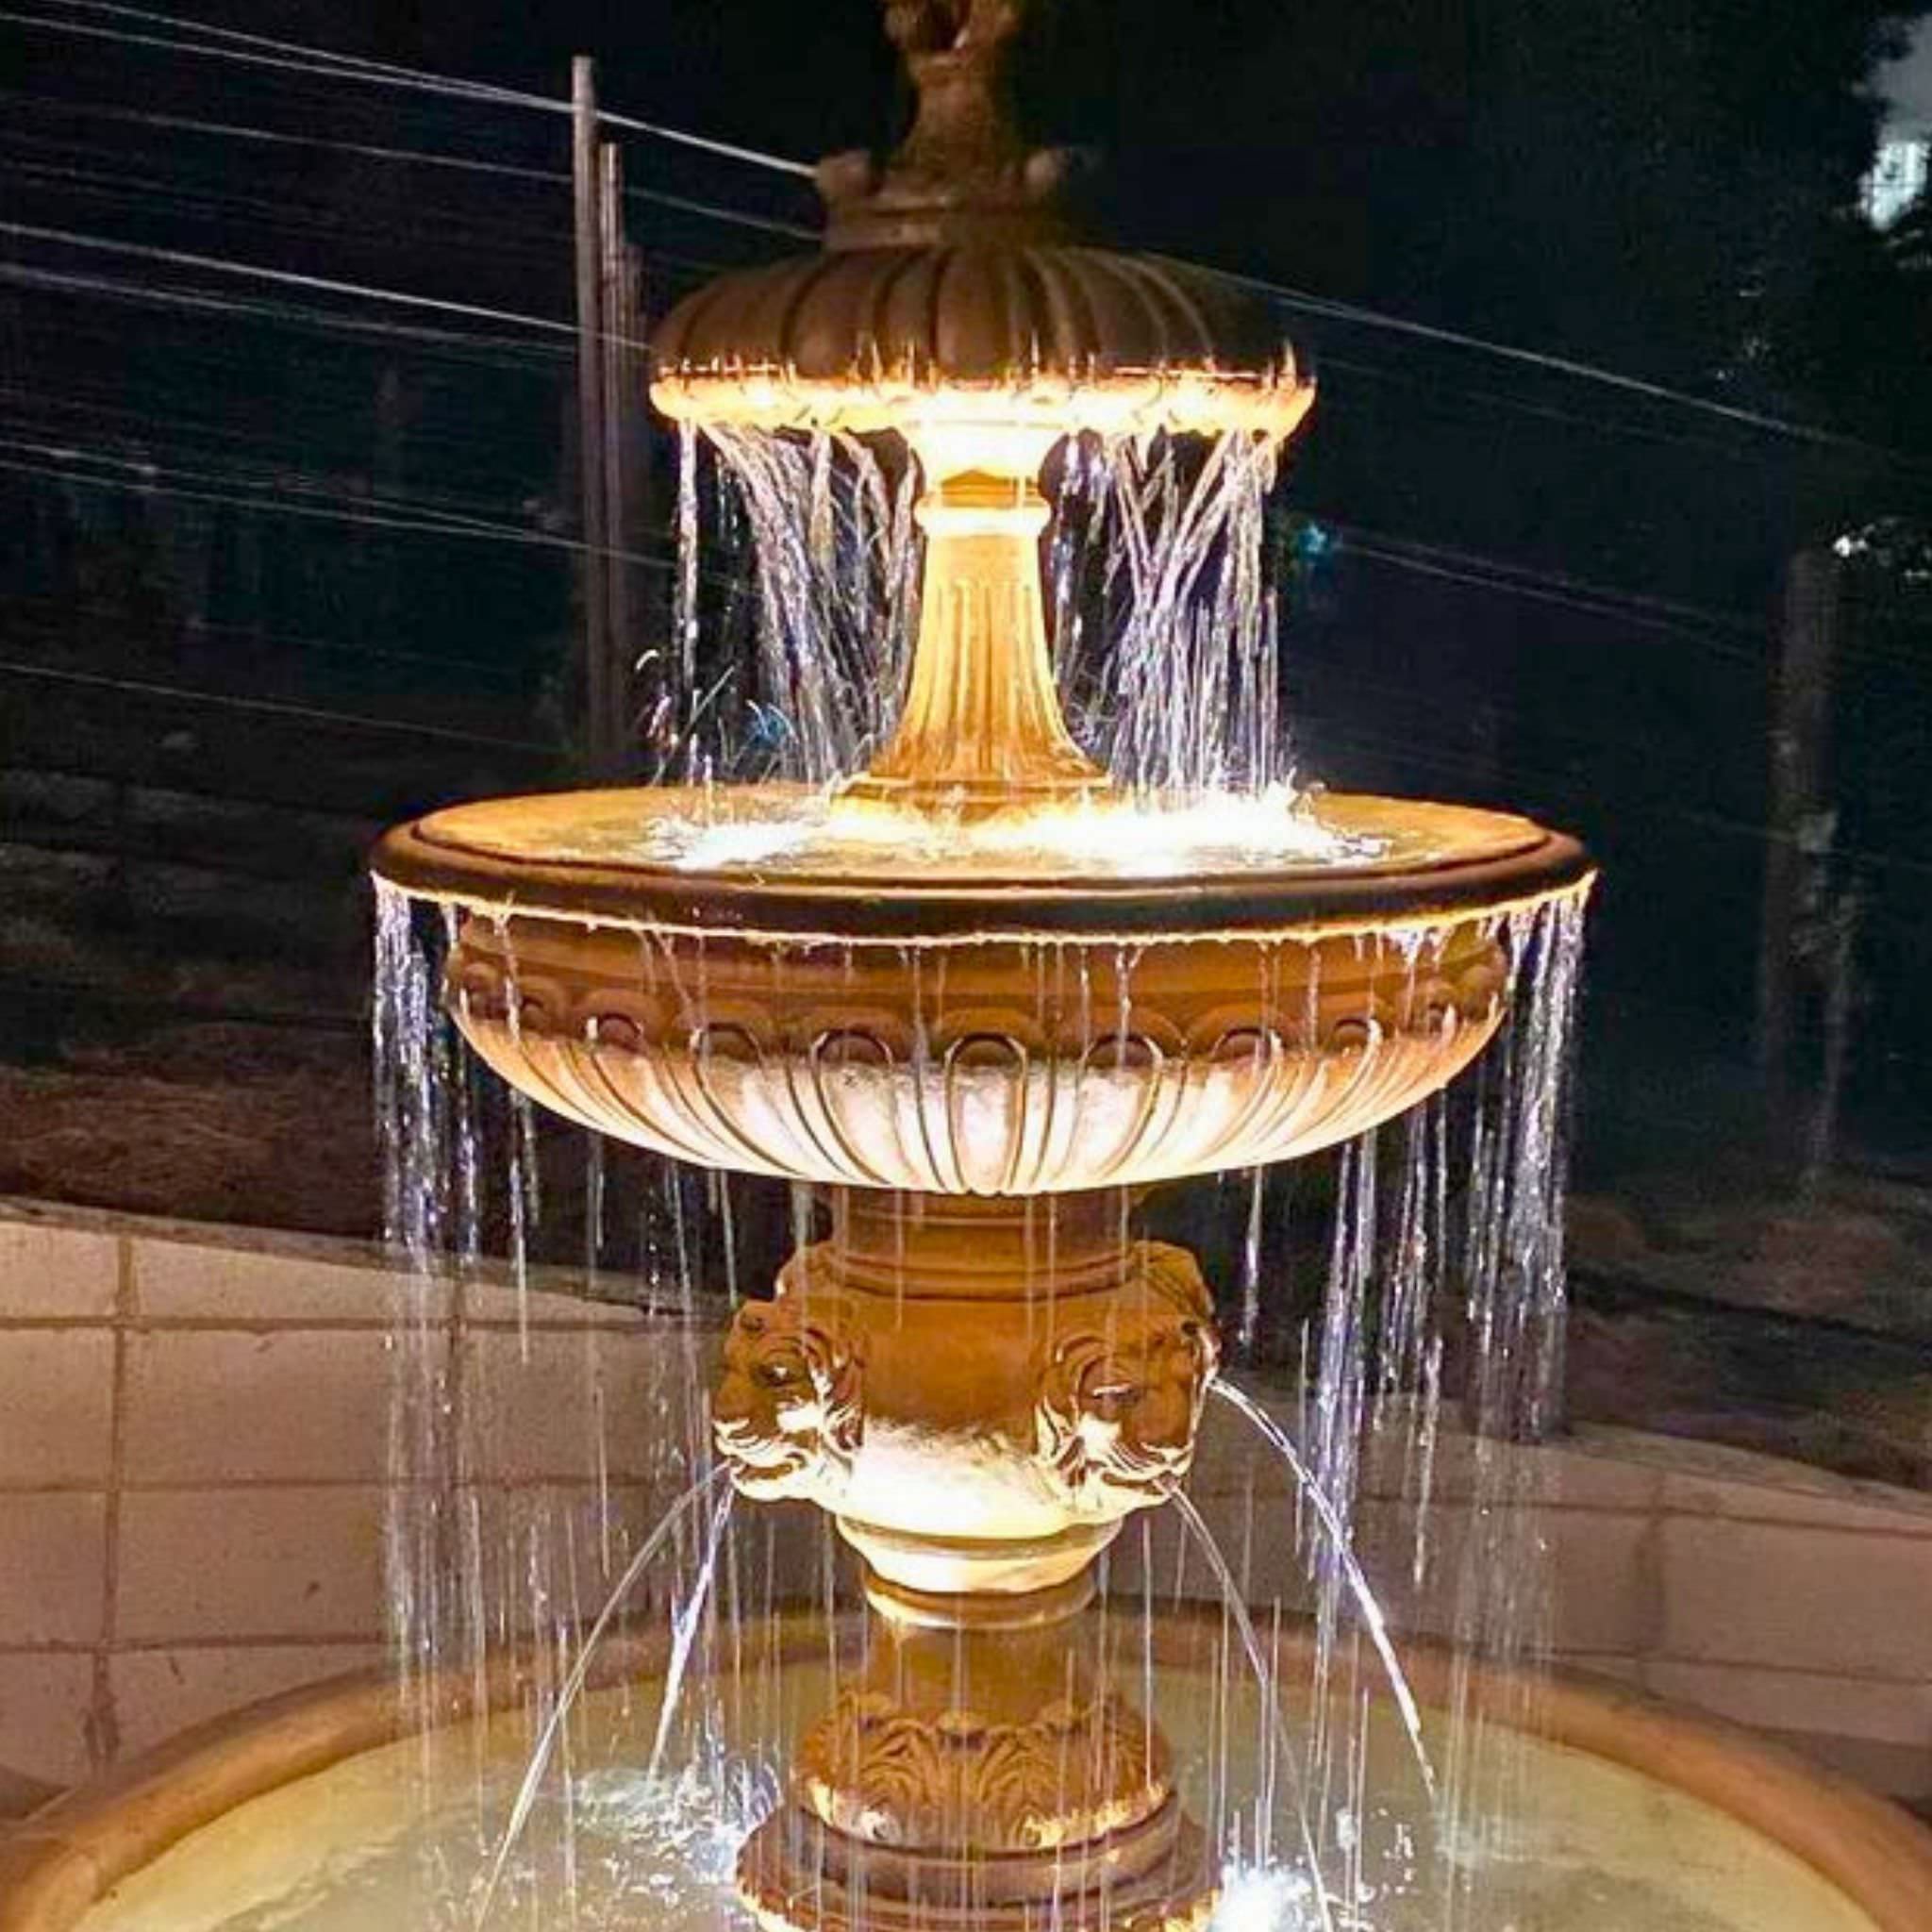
(1120, 1397)
(786, 1415)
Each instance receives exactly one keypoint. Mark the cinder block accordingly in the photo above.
(56, 1406)
(1797, 1596)
(202, 1280)
(574, 1405)
(53, 1576)
(48, 1269)
(1826, 1501)
(161, 1692)
(1803, 1701)
(226, 1405)
(265, 1563)
(44, 1701)
(502, 1305)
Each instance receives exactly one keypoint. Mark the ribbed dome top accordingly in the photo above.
(968, 314)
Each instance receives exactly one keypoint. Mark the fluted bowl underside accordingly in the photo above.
(844, 1010)
(1083, 337)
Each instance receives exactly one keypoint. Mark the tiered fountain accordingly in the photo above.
(984, 998)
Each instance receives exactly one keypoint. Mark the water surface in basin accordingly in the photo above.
(356, 1847)
(796, 832)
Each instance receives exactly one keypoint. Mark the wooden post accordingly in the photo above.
(1839, 964)
(592, 501)
(620, 378)
(1800, 731)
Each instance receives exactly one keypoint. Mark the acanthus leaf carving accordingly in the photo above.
(891, 1776)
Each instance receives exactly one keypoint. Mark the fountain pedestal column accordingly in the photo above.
(981, 730)
(978, 1390)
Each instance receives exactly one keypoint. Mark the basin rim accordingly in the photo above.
(1509, 863)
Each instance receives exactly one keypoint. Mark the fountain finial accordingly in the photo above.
(962, 174)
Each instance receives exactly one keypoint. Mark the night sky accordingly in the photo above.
(1606, 180)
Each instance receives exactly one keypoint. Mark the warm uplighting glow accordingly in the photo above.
(980, 991)
(1097, 834)
(1180, 400)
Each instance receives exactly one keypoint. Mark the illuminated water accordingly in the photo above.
(798, 598)
(753, 834)
(1609, 1851)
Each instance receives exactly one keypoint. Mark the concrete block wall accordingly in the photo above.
(194, 1449)
(194, 1454)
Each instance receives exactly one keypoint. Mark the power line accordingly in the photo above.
(683, 204)
(266, 50)
(1435, 562)
(445, 513)
(260, 50)
(33, 609)
(1601, 600)
(1562, 365)
(369, 291)
(217, 264)
(474, 344)
(150, 478)
(484, 233)
(331, 67)
(280, 707)
(506, 350)
(253, 441)
(1652, 432)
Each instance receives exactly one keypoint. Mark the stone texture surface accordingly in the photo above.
(1884, 1711)
(57, 1409)
(196, 1402)
(51, 1270)
(225, 1281)
(53, 1583)
(1802, 1596)
(274, 1561)
(540, 1406)
(45, 1707)
(159, 1692)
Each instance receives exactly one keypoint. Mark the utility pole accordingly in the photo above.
(626, 450)
(592, 423)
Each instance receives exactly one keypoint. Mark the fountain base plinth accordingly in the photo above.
(981, 1772)
(1155, 1877)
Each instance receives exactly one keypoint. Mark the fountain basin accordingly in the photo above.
(756, 979)
(1646, 1817)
